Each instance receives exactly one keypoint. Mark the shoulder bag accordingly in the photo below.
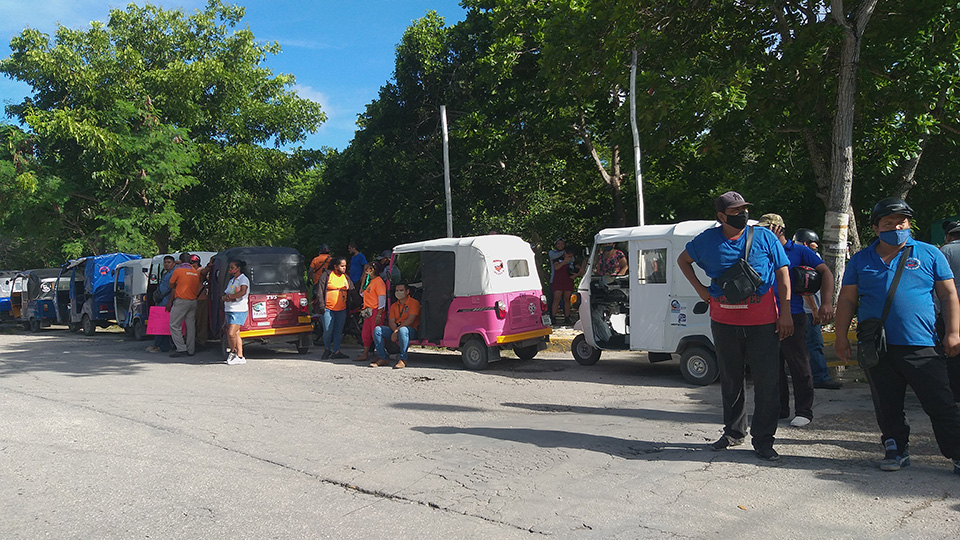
(740, 281)
(871, 337)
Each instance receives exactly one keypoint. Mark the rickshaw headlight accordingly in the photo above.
(303, 304)
(543, 303)
(501, 308)
(575, 300)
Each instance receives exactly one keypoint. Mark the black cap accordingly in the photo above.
(728, 199)
(386, 254)
(889, 207)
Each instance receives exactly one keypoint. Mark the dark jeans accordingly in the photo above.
(164, 343)
(818, 363)
(793, 354)
(924, 369)
(759, 347)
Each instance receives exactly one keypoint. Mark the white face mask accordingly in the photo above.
(401, 295)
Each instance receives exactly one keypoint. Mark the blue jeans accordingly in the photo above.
(333, 328)
(383, 333)
(818, 364)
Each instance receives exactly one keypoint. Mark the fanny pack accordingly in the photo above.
(740, 281)
(871, 337)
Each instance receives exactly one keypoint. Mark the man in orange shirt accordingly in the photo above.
(185, 282)
(404, 321)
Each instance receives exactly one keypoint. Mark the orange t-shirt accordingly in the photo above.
(337, 292)
(406, 313)
(318, 265)
(371, 294)
(187, 283)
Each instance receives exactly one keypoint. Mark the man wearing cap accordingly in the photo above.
(811, 307)
(390, 276)
(748, 332)
(913, 356)
(793, 350)
(951, 250)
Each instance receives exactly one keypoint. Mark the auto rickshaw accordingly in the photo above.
(652, 308)
(37, 308)
(278, 304)
(6, 286)
(477, 294)
(133, 284)
(90, 300)
(16, 293)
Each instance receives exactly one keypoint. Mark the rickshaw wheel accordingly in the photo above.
(583, 353)
(475, 354)
(88, 327)
(139, 330)
(526, 353)
(34, 325)
(699, 366)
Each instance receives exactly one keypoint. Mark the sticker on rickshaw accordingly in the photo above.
(259, 310)
(497, 266)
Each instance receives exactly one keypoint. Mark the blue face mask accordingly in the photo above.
(895, 237)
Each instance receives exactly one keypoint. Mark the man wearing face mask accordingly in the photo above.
(746, 332)
(913, 357)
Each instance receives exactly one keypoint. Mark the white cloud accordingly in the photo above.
(307, 92)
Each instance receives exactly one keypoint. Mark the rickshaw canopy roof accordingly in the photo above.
(271, 270)
(683, 231)
(34, 278)
(490, 264)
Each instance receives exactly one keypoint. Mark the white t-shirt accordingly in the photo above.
(237, 306)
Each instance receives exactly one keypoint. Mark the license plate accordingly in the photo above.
(545, 319)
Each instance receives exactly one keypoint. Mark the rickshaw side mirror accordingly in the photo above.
(700, 308)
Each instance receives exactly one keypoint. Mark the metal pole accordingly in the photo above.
(636, 136)
(446, 170)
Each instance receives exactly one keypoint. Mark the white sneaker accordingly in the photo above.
(241, 360)
(235, 360)
(799, 421)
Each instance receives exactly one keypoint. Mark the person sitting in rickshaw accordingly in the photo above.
(612, 262)
(403, 323)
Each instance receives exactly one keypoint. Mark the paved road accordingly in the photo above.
(102, 440)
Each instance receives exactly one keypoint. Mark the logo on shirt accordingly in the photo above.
(912, 263)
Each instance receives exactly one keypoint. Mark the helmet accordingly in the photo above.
(805, 235)
(324, 248)
(889, 207)
(804, 280)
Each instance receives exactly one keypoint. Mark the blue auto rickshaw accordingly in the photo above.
(6, 286)
(37, 307)
(90, 300)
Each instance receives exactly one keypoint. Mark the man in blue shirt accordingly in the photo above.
(357, 262)
(747, 332)
(913, 354)
(793, 350)
(811, 306)
(163, 343)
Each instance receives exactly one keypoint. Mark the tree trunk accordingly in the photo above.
(837, 219)
(614, 180)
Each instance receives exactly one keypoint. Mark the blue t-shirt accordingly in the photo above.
(356, 267)
(715, 253)
(800, 255)
(165, 288)
(912, 317)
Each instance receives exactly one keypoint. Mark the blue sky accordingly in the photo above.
(341, 52)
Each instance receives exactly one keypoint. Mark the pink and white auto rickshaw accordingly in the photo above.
(478, 294)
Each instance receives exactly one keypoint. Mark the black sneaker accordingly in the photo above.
(894, 459)
(767, 453)
(725, 442)
(179, 354)
(828, 384)
(339, 356)
(326, 354)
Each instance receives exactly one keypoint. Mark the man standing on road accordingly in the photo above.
(811, 307)
(793, 350)
(913, 356)
(748, 332)
(951, 250)
(357, 262)
(162, 343)
(186, 286)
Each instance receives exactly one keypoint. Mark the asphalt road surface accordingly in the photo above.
(99, 439)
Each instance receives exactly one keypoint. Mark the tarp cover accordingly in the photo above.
(437, 269)
(98, 277)
(484, 263)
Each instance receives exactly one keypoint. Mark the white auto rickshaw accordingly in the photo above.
(652, 307)
(478, 294)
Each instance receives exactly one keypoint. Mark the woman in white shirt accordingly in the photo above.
(235, 309)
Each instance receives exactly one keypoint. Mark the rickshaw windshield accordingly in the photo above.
(275, 278)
